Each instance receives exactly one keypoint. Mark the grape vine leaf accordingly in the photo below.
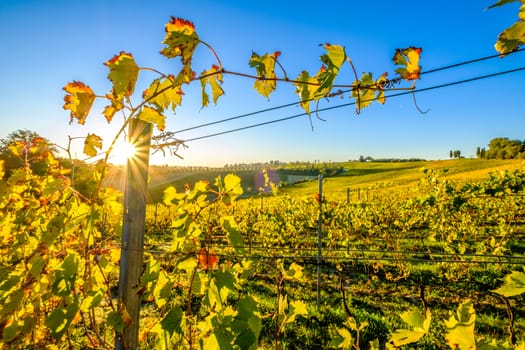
(502, 2)
(306, 88)
(513, 37)
(232, 232)
(265, 68)
(363, 91)
(172, 320)
(60, 319)
(247, 324)
(408, 59)
(419, 326)
(78, 100)
(91, 143)
(232, 185)
(296, 308)
(117, 104)
(180, 40)
(212, 77)
(514, 284)
(460, 333)
(207, 259)
(333, 59)
(345, 339)
(123, 74)
(164, 93)
(151, 115)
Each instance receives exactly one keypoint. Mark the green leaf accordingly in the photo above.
(232, 185)
(163, 288)
(93, 299)
(363, 91)
(36, 263)
(114, 319)
(10, 332)
(419, 326)
(232, 232)
(164, 93)
(247, 324)
(180, 40)
(294, 272)
(503, 2)
(69, 266)
(91, 143)
(214, 296)
(374, 345)
(347, 340)
(11, 302)
(123, 73)
(460, 327)
(306, 87)
(333, 59)
(296, 308)
(514, 284)
(265, 68)
(60, 319)
(172, 320)
(212, 77)
(79, 99)
(511, 38)
(151, 115)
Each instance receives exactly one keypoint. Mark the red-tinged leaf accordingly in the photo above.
(408, 59)
(116, 105)
(151, 115)
(212, 77)
(79, 99)
(91, 143)
(265, 68)
(164, 93)
(207, 259)
(123, 73)
(180, 40)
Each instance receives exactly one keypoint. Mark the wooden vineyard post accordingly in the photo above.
(133, 228)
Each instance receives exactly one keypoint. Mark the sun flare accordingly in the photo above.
(123, 152)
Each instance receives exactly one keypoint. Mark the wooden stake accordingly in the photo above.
(133, 228)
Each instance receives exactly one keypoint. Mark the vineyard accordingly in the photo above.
(415, 258)
(432, 267)
(433, 262)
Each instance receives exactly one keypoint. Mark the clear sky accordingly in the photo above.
(45, 44)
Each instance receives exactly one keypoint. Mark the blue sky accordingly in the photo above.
(46, 44)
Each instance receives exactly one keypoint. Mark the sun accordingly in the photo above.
(122, 152)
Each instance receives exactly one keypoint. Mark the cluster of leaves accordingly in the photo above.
(513, 37)
(56, 269)
(166, 92)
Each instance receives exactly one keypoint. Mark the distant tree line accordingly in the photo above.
(502, 148)
(455, 154)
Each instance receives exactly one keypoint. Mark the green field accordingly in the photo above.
(402, 174)
(363, 175)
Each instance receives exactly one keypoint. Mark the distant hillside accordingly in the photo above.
(351, 175)
(392, 175)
